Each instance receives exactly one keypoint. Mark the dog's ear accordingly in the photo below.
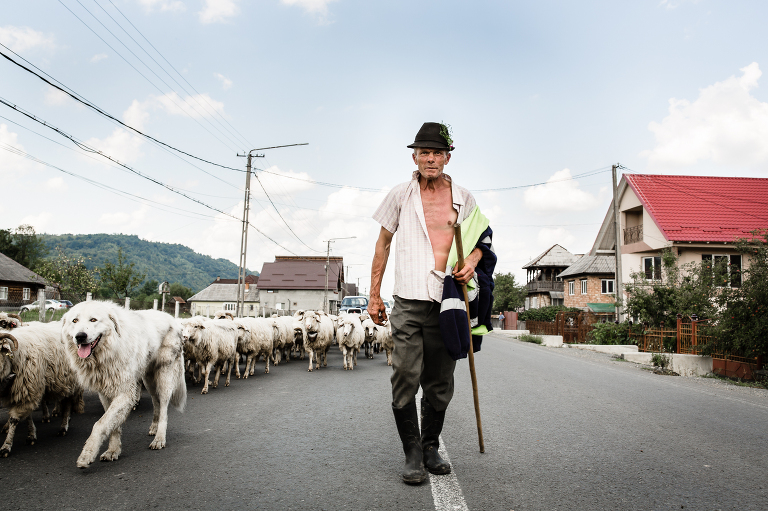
(114, 322)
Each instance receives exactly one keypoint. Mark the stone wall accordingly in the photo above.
(594, 294)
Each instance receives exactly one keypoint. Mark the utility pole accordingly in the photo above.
(327, 266)
(619, 290)
(239, 312)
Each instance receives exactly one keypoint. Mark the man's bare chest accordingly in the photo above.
(439, 213)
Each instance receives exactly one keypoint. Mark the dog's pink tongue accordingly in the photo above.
(83, 350)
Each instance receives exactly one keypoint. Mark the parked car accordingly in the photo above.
(67, 303)
(50, 305)
(354, 304)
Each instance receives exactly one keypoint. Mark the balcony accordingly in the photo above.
(633, 234)
(544, 285)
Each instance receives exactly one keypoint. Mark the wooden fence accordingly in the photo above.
(575, 327)
(687, 338)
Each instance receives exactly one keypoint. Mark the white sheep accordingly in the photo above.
(384, 336)
(9, 321)
(370, 337)
(215, 343)
(351, 336)
(33, 369)
(223, 315)
(260, 343)
(292, 333)
(319, 337)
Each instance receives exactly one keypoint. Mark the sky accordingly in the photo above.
(542, 97)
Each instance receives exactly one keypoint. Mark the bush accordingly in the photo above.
(612, 333)
(660, 360)
(544, 313)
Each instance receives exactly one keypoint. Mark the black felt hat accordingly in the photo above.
(433, 135)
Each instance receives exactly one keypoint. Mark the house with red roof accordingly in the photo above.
(698, 217)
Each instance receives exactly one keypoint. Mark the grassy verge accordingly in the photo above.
(536, 339)
(739, 382)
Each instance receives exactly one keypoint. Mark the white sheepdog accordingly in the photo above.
(113, 350)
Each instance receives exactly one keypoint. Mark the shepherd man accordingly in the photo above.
(426, 321)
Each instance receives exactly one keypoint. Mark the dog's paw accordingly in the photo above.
(109, 455)
(85, 460)
(5, 451)
(63, 432)
(157, 443)
(31, 440)
(152, 429)
(45, 419)
(204, 391)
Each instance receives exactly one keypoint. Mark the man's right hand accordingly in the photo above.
(377, 310)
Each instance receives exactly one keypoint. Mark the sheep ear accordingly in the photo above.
(114, 322)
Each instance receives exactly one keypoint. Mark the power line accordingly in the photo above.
(158, 64)
(177, 72)
(113, 118)
(132, 66)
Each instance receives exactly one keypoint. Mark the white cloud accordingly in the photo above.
(311, 6)
(98, 57)
(196, 106)
(163, 5)
(276, 185)
(560, 193)
(39, 221)
(549, 236)
(226, 83)
(55, 97)
(725, 124)
(122, 144)
(121, 221)
(218, 11)
(21, 39)
(674, 4)
(56, 184)
(12, 166)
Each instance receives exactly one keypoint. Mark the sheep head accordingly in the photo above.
(6, 348)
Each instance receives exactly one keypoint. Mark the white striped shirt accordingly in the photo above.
(402, 212)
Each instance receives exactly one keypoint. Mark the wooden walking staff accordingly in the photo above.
(460, 253)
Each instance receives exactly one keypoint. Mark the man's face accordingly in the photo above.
(431, 161)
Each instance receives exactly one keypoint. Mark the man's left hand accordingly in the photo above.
(468, 271)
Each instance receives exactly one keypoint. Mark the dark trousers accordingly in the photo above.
(420, 357)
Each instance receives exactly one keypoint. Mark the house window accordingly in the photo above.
(652, 267)
(229, 306)
(25, 294)
(3, 293)
(606, 286)
(731, 265)
(571, 286)
(584, 286)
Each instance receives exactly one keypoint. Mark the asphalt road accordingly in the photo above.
(563, 430)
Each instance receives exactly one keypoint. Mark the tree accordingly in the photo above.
(23, 245)
(506, 294)
(70, 273)
(178, 289)
(742, 324)
(121, 278)
(688, 289)
(149, 288)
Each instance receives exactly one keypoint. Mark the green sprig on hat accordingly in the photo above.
(445, 132)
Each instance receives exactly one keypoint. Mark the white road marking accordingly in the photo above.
(446, 491)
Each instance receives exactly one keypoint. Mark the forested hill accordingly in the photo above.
(160, 261)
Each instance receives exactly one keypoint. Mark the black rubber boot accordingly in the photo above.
(431, 426)
(407, 422)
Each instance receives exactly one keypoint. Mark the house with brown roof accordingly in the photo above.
(18, 284)
(543, 282)
(590, 283)
(299, 283)
(699, 218)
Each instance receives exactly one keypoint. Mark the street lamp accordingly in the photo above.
(327, 263)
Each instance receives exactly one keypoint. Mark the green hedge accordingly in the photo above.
(544, 313)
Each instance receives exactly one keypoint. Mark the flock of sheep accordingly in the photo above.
(35, 354)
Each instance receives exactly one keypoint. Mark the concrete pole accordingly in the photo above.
(619, 290)
(327, 262)
(154, 304)
(128, 302)
(163, 309)
(41, 302)
(88, 296)
(177, 310)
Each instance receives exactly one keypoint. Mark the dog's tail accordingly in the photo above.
(179, 396)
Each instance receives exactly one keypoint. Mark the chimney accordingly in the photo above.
(218, 279)
(247, 285)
